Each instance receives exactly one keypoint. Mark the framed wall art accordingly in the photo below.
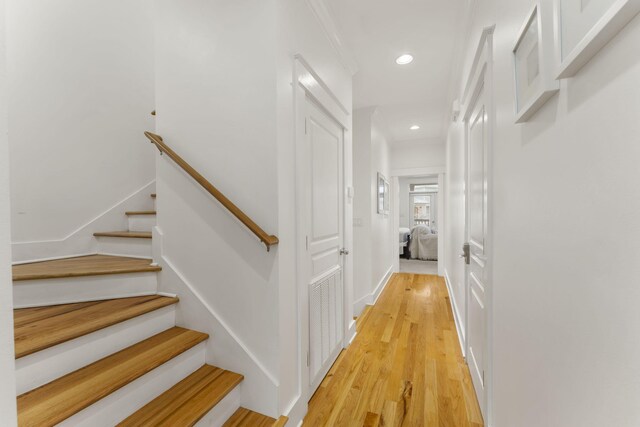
(533, 62)
(583, 27)
(383, 195)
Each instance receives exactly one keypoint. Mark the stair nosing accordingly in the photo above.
(124, 234)
(134, 213)
(145, 307)
(203, 383)
(146, 268)
(83, 375)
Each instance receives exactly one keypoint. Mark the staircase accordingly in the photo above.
(96, 345)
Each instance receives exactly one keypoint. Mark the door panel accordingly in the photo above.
(325, 148)
(477, 149)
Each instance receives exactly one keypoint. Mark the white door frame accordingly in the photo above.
(308, 84)
(481, 75)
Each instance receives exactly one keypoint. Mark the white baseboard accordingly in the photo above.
(81, 241)
(456, 314)
(381, 285)
(359, 305)
(371, 298)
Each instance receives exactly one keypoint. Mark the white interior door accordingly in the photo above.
(325, 140)
(477, 230)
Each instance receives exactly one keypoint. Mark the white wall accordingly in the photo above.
(362, 210)
(219, 114)
(225, 104)
(417, 154)
(373, 242)
(7, 358)
(566, 237)
(81, 87)
(382, 237)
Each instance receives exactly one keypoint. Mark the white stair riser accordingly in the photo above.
(36, 293)
(141, 222)
(115, 407)
(124, 246)
(47, 365)
(220, 413)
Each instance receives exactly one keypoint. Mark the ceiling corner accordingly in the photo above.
(325, 17)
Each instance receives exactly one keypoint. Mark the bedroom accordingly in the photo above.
(418, 203)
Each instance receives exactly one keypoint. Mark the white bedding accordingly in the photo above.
(424, 243)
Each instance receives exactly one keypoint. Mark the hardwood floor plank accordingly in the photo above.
(43, 327)
(405, 366)
(90, 265)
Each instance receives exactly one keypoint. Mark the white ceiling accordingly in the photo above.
(378, 31)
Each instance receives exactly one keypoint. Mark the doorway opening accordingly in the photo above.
(419, 213)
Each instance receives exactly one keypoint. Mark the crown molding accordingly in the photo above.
(328, 23)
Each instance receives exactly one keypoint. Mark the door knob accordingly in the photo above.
(343, 251)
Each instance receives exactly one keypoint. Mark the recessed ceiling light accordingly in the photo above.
(414, 127)
(404, 59)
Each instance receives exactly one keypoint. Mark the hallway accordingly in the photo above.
(389, 376)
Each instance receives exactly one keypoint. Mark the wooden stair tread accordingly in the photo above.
(132, 213)
(245, 418)
(52, 403)
(128, 234)
(188, 401)
(90, 265)
(39, 328)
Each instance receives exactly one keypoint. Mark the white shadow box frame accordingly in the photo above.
(534, 62)
(583, 27)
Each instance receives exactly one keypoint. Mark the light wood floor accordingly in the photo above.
(404, 368)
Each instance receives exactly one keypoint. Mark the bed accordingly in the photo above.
(423, 243)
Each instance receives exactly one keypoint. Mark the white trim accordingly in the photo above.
(431, 170)
(381, 285)
(372, 298)
(456, 314)
(81, 240)
(610, 24)
(320, 92)
(359, 305)
(486, 32)
(166, 263)
(328, 23)
(351, 334)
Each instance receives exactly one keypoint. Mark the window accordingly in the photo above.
(422, 209)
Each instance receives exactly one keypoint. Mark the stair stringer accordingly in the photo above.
(259, 391)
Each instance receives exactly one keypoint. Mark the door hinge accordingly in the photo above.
(308, 359)
(306, 239)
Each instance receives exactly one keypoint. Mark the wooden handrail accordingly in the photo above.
(251, 225)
